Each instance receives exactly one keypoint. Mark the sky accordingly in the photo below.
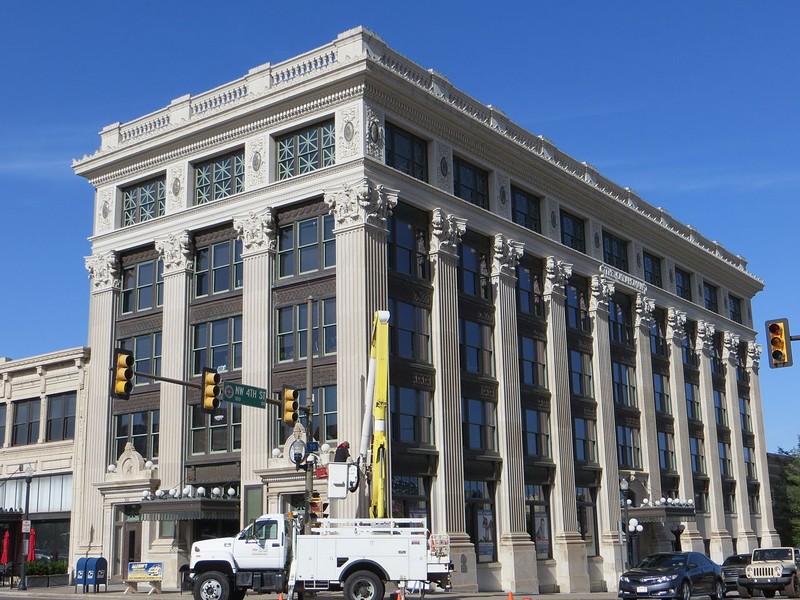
(691, 104)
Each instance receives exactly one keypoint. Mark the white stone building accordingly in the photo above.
(552, 333)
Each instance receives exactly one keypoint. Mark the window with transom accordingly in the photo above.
(580, 374)
(666, 451)
(683, 284)
(142, 287)
(306, 246)
(652, 269)
(479, 421)
(410, 331)
(61, 417)
(697, 455)
(585, 439)
(536, 433)
(146, 350)
(710, 297)
(533, 370)
(735, 308)
(692, 402)
(470, 183)
(615, 251)
(217, 345)
(477, 348)
(412, 415)
(408, 244)
(143, 201)
(406, 152)
(141, 429)
(217, 433)
(573, 231)
(219, 177)
(306, 150)
(26, 422)
(661, 393)
(475, 274)
(525, 209)
(293, 330)
(530, 300)
(629, 449)
(218, 268)
(624, 384)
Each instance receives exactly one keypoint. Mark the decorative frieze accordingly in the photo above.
(256, 163)
(621, 276)
(176, 189)
(176, 253)
(103, 271)
(361, 203)
(348, 138)
(105, 210)
(257, 232)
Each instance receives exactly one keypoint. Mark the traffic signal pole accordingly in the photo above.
(309, 408)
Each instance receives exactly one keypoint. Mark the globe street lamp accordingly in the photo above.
(634, 527)
(625, 501)
(26, 529)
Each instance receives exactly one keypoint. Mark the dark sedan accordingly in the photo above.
(731, 569)
(673, 575)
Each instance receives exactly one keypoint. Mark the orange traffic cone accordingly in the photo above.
(280, 595)
(510, 596)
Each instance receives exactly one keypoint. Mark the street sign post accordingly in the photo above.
(248, 395)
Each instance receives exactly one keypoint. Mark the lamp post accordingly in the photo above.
(623, 494)
(26, 528)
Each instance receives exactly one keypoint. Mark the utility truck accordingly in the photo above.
(358, 556)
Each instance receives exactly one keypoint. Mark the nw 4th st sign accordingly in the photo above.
(245, 394)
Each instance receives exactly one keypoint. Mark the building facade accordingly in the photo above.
(552, 334)
(38, 412)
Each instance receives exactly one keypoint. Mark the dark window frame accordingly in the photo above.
(61, 416)
(414, 161)
(526, 209)
(615, 251)
(470, 183)
(573, 231)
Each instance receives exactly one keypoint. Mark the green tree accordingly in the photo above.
(785, 485)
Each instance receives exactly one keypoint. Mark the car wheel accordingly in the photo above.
(792, 590)
(719, 591)
(769, 593)
(685, 592)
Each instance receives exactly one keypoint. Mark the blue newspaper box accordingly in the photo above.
(96, 572)
(80, 571)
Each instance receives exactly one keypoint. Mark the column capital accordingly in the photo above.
(644, 310)
(446, 232)
(753, 355)
(676, 323)
(557, 273)
(257, 232)
(705, 335)
(103, 271)
(361, 203)
(602, 290)
(176, 252)
(730, 346)
(505, 257)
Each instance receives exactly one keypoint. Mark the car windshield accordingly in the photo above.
(736, 559)
(663, 561)
(772, 554)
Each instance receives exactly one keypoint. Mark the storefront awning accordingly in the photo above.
(190, 509)
(666, 514)
(10, 516)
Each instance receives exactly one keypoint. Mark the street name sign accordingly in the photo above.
(248, 395)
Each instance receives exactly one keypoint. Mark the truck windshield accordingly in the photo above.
(772, 554)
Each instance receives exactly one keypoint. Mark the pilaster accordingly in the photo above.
(258, 235)
(608, 512)
(360, 211)
(720, 539)
(516, 551)
(645, 393)
(176, 254)
(569, 549)
(93, 409)
(767, 534)
(691, 540)
(447, 497)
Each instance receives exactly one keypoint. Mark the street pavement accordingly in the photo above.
(116, 592)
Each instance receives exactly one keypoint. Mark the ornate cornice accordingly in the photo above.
(257, 232)
(103, 271)
(557, 273)
(446, 232)
(176, 253)
(505, 257)
(361, 204)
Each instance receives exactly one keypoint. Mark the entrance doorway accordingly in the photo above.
(127, 538)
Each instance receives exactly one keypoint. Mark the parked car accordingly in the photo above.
(732, 568)
(673, 575)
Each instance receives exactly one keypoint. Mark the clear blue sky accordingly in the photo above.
(691, 104)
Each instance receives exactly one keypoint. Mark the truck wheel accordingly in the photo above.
(744, 592)
(792, 590)
(212, 585)
(363, 585)
(719, 591)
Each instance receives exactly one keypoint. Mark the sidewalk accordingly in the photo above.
(116, 592)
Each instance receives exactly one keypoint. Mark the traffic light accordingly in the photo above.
(290, 406)
(211, 389)
(779, 343)
(122, 368)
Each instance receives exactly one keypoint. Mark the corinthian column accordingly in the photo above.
(257, 232)
(516, 552)
(360, 211)
(644, 385)
(176, 253)
(447, 496)
(92, 412)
